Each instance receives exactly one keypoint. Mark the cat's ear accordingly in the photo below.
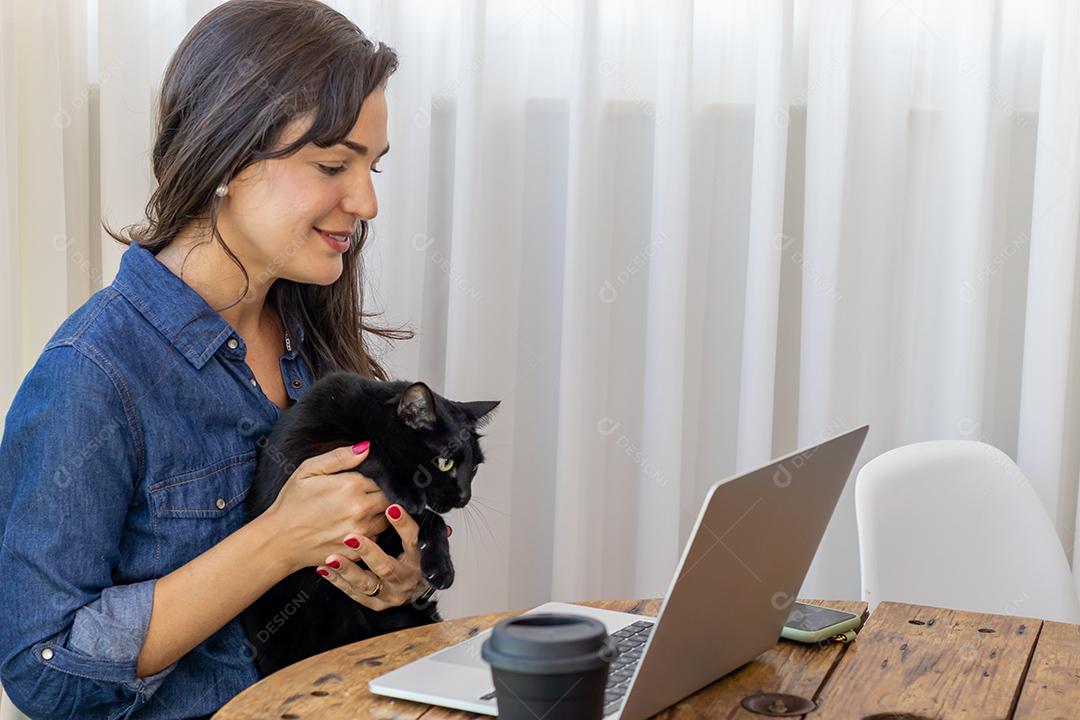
(480, 411)
(417, 407)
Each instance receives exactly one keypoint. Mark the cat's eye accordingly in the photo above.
(445, 464)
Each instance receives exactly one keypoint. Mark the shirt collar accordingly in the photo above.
(175, 309)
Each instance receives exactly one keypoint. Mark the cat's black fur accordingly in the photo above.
(410, 428)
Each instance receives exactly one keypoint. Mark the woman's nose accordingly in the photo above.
(361, 201)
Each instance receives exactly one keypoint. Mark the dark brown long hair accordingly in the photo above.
(242, 73)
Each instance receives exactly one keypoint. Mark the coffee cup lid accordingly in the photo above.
(548, 643)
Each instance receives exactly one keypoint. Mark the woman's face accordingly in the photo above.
(275, 208)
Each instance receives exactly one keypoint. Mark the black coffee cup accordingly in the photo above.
(549, 665)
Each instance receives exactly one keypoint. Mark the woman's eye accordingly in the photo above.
(376, 170)
(331, 170)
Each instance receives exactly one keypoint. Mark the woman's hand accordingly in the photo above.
(323, 501)
(397, 581)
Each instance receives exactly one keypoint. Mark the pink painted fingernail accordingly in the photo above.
(394, 512)
(334, 564)
(360, 447)
(322, 572)
(352, 542)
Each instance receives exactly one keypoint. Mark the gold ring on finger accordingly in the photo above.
(378, 587)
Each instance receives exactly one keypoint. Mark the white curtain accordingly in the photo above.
(674, 239)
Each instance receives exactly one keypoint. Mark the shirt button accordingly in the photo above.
(233, 344)
(297, 384)
(220, 503)
(254, 382)
(47, 654)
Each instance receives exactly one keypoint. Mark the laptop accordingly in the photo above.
(746, 558)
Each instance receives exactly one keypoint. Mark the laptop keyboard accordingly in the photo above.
(631, 642)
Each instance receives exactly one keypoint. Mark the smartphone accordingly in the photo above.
(813, 623)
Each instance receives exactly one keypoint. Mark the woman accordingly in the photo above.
(130, 445)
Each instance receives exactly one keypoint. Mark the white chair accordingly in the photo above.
(955, 524)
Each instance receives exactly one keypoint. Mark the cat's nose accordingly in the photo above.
(464, 495)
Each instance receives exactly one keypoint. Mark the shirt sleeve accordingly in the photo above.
(70, 461)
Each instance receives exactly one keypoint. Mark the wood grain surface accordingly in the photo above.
(916, 662)
(1051, 690)
(909, 662)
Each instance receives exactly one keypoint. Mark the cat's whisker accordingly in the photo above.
(478, 534)
(468, 528)
(488, 506)
(477, 526)
(491, 532)
(481, 497)
(486, 526)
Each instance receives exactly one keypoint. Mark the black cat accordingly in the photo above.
(424, 453)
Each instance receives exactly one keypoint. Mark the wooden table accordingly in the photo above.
(909, 662)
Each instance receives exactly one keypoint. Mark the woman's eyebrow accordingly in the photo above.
(362, 149)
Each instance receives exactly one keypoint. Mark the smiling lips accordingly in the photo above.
(337, 240)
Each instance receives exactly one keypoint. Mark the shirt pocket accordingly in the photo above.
(213, 491)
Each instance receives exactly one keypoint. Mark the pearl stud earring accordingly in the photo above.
(222, 190)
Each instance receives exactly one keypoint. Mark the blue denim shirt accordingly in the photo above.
(122, 459)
